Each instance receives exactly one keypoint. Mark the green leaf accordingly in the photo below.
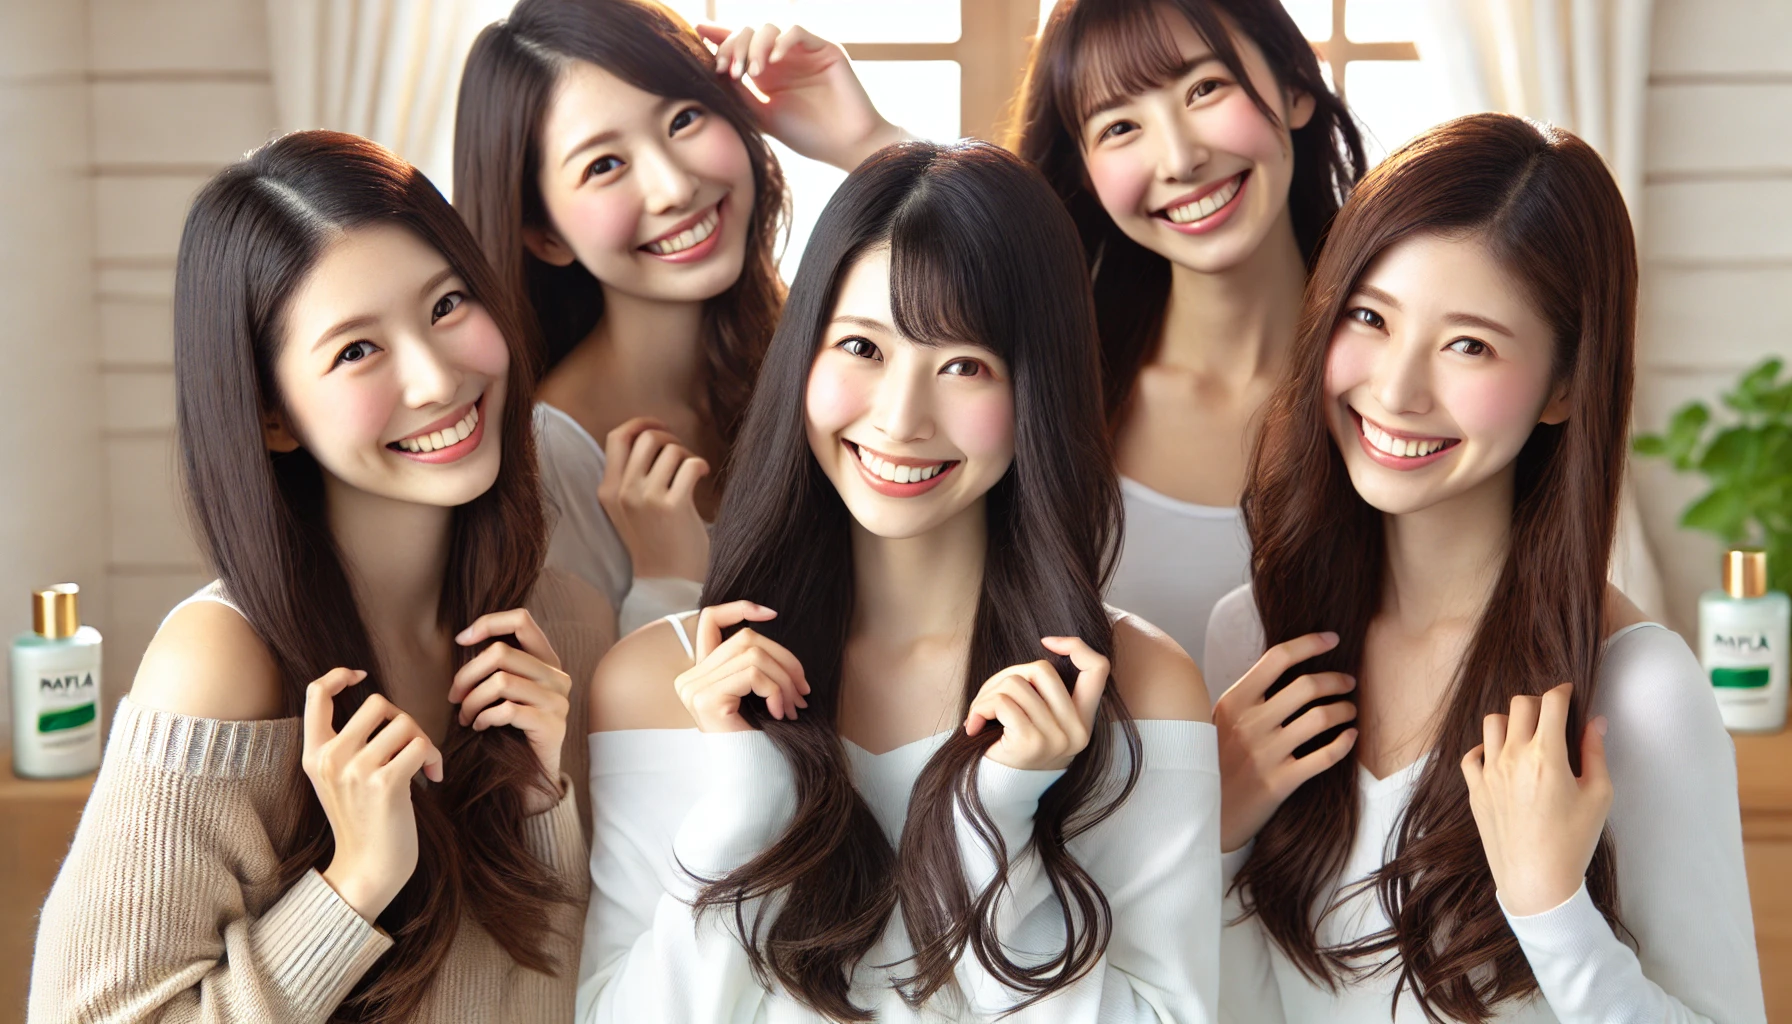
(1723, 512)
(1731, 454)
(1684, 429)
(1649, 444)
(1759, 380)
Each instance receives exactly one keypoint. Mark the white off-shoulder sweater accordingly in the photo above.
(1676, 826)
(672, 802)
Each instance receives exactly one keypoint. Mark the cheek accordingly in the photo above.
(479, 346)
(1498, 407)
(1236, 126)
(981, 425)
(1120, 179)
(1348, 363)
(598, 220)
(339, 411)
(835, 398)
(719, 154)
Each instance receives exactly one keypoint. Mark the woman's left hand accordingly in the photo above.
(814, 103)
(1044, 725)
(1539, 824)
(523, 688)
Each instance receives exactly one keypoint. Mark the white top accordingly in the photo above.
(1177, 560)
(672, 801)
(582, 542)
(1676, 825)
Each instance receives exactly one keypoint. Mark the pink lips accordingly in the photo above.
(456, 451)
(701, 249)
(1215, 220)
(1399, 462)
(891, 488)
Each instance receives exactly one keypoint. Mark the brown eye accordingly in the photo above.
(1469, 346)
(962, 368)
(354, 352)
(446, 305)
(861, 347)
(684, 119)
(1366, 317)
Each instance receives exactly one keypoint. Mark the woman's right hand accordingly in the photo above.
(1258, 769)
(364, 786)
(727, 670)
(648, 491)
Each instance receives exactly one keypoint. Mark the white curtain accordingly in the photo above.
(388, 70)
(1582, 65)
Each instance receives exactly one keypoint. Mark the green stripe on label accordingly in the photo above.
(1739, 678)
(67, 718)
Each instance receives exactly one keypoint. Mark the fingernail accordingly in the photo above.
(461, 637)
(1600, 724)
(360, 674)
(1329, 637)
(754, 70)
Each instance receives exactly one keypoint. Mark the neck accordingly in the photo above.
(1443, 561)
(650, 348)
(396, 555)
(1237, 323)
(921, 587)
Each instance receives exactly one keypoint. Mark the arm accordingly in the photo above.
(162, 910)
(1676, 825)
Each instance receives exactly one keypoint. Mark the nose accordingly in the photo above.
(903, 408)
(1402, 382)
(1180, 154)
(425, 375)
(666, 186)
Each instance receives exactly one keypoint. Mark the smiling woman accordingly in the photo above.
(354, 415)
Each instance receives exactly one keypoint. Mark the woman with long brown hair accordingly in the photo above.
(341, 786)
(1538, 820)
(897, 706)
(615, 173)
(1201, 155)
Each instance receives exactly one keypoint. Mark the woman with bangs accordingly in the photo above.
(615, 173)
(1538, 819)
(906, 766)
(1201, 155)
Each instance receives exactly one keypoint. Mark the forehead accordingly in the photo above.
(1433, 274)
(865, 287)
(366, 271)
(1123, 53)
(588, 99)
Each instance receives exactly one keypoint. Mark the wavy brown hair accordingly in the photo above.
(505, 90)
(1093, 51)
(1548, 211)
(253, 234)
(979, 251)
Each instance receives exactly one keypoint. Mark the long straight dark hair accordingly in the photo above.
(504, 94)
(1550, 213)
(253, 234)
(979, 251)
(1093, 50)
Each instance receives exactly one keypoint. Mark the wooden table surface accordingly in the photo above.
(1764, 778)
(37, 820)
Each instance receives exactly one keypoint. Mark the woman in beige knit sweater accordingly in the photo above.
(261, 845)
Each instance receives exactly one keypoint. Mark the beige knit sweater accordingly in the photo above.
(168, 906)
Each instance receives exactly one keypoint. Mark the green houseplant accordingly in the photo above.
(1747, 461)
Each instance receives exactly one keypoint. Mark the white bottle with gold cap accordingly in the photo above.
(1742, 643)
(56, 689)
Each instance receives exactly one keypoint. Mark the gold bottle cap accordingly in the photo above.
(1745, 573)
(55, 611)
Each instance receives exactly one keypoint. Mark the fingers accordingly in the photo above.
(501, 657)
(1552, 720)
(1017, 702)
(1474, 765)
(518, 689)
(1314, 722)
(756, 660)
(1593, 771)
(320, 703)
(360, 725)
(731, 52)
(1092, 672)
(684, 482)
(749, 643)
(516, 622)
(712, 620)
(760, 48)
(1493, 735)
(400, 734)
(417, 755)
(645, 451)
(1278, 660)
(1322, 759)
(618, 443)
(1305, 690)
(712, 33)
(795, 36)
(1523, 720)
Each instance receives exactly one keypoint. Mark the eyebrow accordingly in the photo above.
(1110, 102)
(861, 322)
(358, 322)
(1454, 319)
(611, 134)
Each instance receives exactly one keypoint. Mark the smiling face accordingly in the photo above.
(911, 435)
(650, 194)
(390, 375)
(1438, 371)
(1191, 169)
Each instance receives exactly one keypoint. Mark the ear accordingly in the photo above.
(274, 434)
(1301, 106)
(547, 247)
(1556, 412)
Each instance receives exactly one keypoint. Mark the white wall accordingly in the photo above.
(1717, 239)
(179, 89)
(52, 491)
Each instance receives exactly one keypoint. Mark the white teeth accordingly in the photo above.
(898, 474)
(1398, 446)
(447, 436)
(1188, 213)
(688, 237)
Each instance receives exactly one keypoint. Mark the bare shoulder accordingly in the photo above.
(1620, 611)
(1156, 678)
(206, 662)
(633, 685)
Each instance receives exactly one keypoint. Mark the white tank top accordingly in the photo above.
(1178, 560)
